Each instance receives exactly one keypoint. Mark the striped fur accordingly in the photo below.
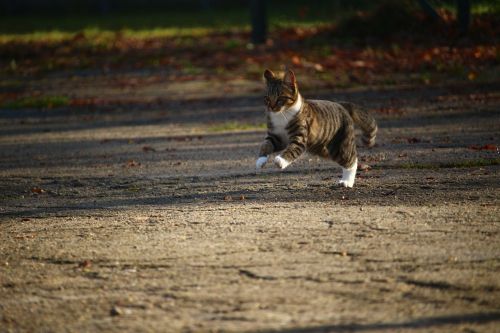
(319, 127)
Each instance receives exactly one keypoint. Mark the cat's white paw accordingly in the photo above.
(348, 175)
(260, 162)
(281, 162)
(345, 183)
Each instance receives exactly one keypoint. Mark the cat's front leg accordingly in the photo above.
(261, 161)
(296, 148)
(281, 162)
(270, 145)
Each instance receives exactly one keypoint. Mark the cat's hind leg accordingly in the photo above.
(342, 149)
(348, 175)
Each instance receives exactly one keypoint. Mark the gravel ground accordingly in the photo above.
(148, 215)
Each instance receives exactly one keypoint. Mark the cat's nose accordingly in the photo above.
(273, 103)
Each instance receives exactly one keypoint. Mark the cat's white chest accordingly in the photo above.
(280, 120)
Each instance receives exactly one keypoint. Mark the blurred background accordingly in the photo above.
(334, 44)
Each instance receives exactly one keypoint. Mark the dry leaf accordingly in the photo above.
(37, 190)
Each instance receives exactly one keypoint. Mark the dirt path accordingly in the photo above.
(149, 216)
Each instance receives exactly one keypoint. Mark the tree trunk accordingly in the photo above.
(463, 16)
(259, 21)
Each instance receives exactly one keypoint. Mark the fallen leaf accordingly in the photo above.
(228, 198)
(85, 264)
(131, 164)
(37, 190)
(148, 149)
(485, 147)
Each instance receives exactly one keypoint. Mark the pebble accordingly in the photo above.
(118, 311)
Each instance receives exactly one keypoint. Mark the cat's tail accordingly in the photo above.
(364, 120)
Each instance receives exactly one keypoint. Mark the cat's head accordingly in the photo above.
(282, 92)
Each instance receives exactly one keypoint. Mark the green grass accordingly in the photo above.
(480, 162)
(36, 102)
(164, 23)
(477, 6)
(234, 126)
(195, 22)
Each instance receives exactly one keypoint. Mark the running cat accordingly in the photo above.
(296, 125)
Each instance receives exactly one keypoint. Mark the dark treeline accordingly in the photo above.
(22, 7)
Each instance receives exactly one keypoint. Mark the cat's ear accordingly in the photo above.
(290, 80)
(268, 74)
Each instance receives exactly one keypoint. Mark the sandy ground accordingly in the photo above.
(148, 215)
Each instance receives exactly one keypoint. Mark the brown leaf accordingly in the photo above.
(485, 147)
(85, 264)
(131, 164)
(296, 61)
(37, 190)
(228, 198)
(148, 149)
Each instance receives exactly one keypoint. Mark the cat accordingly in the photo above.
(324, 128)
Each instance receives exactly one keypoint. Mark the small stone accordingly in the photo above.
(119, 311)
(115, 311)
(364, 167)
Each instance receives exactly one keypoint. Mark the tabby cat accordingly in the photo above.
(296, 125)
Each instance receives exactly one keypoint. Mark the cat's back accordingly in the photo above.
(326, 109)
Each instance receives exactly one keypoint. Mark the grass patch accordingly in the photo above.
(235, 126)
(480, 162)
(195, 21)
(150, 23)
(37, 102)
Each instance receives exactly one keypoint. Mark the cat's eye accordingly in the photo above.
(284, 98)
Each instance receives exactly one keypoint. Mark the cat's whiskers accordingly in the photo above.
(283, 114)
